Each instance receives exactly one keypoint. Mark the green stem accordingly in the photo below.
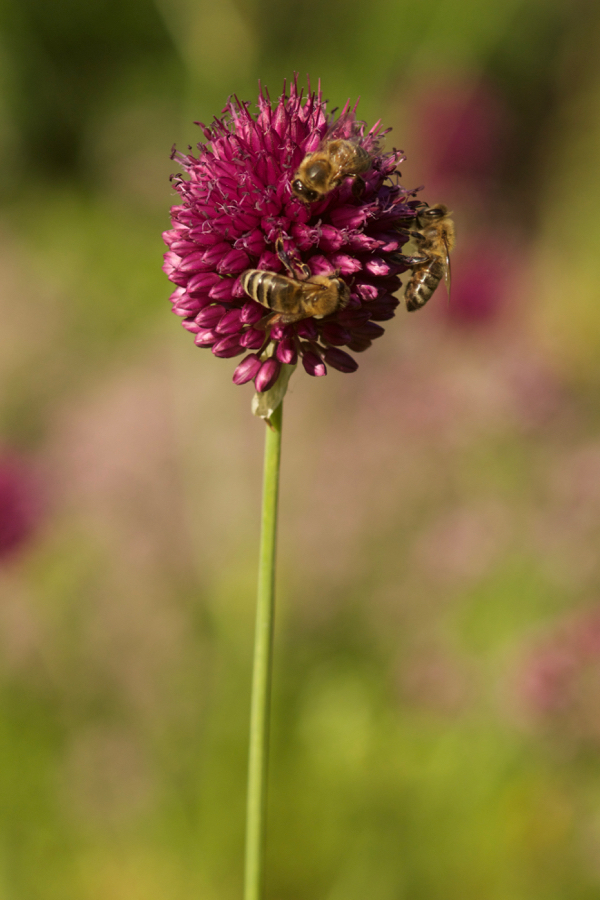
(263, 664)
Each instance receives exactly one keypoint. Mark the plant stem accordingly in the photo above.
(263, 664)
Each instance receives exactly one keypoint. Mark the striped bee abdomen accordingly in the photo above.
(423, 283)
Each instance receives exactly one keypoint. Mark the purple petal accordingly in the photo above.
(247, 369)
(349, 318)
(369, 330)
(313, 364)
(286, 351)
(307, 328)
(235, 261)
(377, 266)
(230, 323)
(340, 360)
(222, 290)
(228, 346)
(210, 317)
(213, 256)
(331, 238)
(268, 375)
(190, 325)
(192, 262)
(253, 338)
(345, 263)
(332, 333)
(252, 312)
(205, 338)
(202, 282)
(359, 344)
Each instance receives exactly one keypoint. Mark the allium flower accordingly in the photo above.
(237, 202)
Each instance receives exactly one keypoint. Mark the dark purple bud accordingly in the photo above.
(202, 282)
(359, 344)
(340, 360)
(230, 323)
(331, 239)
(377, 266)
(349, 216)
(321, 265)
(307, 328)
(205, 237)
(247, 369)
(366, 291)
(223, 290)
(192, 308)
(268, 375)
(235, 261)
(305, 236)
(228, 346)
(253, 242)
(383, 308)
(205, 338)
(178, 294)
(253, 338)
(350, 318)
(213, 255)
(190, 325)
(313, 364)
(210, 317)
(252, 312)
(269, 261)
(183, 248)
(278, 331)
(171, 264)
(369, 330)
(362, 243)
(345, 263)
(332, 333)
(286, 351)
(192, 262)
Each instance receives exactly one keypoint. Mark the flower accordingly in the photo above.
(560, 678)
(237, 202)
(19, 508)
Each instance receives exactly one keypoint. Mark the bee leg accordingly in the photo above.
(411, 260)
(284, 256)
(358, 186)
(293, 268)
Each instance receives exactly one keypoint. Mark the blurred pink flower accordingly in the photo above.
(560, 679)
(480, 276)
(462, 127)
(19, 504)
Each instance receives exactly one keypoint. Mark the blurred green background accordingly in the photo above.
(437, 681)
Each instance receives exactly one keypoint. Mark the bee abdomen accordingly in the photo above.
(423, 283)
(277, 292)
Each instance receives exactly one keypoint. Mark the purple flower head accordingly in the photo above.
(238, 209)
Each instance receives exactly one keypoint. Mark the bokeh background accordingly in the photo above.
(437, 680)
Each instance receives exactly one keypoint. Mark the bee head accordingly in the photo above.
(433, 213)
(300, 190)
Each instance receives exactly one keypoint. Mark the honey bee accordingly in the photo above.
(294, 298)
(434, 239)
(339, 155)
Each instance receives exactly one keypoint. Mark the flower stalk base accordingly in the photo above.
(263, 664)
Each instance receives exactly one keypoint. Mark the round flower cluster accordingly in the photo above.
(237, 203)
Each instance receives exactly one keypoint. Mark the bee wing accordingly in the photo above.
(346, 126)
(448, 269)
